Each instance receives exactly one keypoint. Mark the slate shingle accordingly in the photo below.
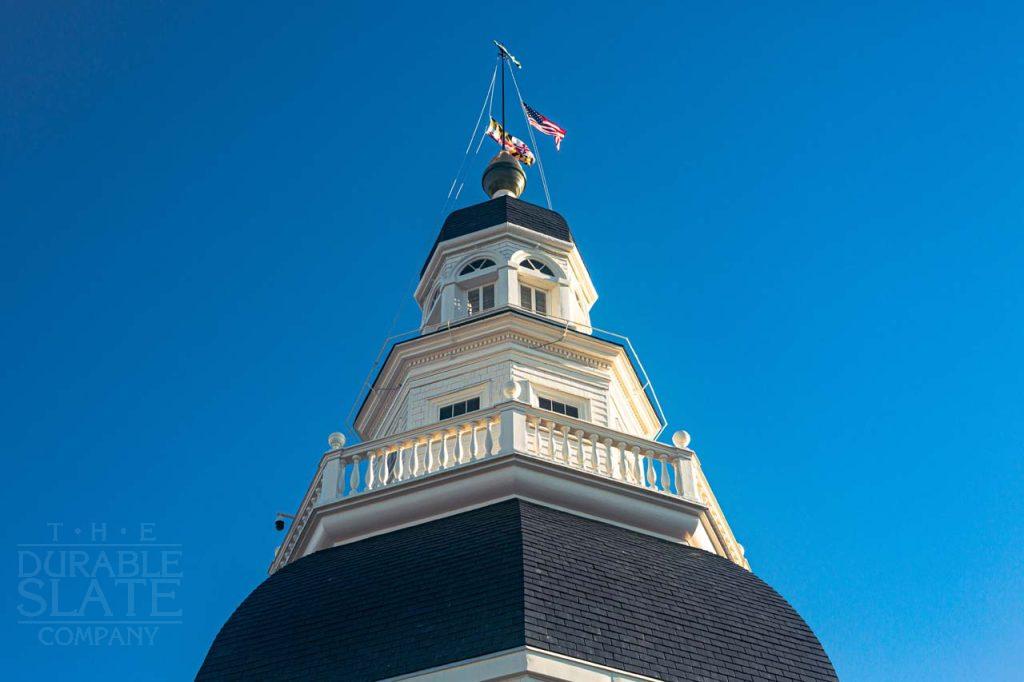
(504, 209)
(506, 575)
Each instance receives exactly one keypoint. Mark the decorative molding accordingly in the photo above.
(523, 663)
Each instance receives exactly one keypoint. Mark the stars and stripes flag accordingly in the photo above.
(513, 145)
(545, 125)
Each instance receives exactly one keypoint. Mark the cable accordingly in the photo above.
(529, 129)
(487, 102)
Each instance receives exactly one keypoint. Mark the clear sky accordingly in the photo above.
(807, 219)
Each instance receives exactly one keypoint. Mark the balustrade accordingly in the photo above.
(568, 442)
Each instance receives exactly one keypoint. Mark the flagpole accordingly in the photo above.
(501, 53)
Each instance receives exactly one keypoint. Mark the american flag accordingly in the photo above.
(544, 124)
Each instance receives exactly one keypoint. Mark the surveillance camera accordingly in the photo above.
(279, 524)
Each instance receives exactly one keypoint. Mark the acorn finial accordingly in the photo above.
(504, 176)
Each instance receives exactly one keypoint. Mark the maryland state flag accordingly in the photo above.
(513, 145)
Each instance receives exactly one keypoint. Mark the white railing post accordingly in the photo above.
(512, 436)
(329, 480)
(687, 473)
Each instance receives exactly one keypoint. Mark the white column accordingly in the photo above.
(566, 309)
(506, 291)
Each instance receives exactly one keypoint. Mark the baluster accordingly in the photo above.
(491, 442)
(666, 482)
(384, 474)
(581, 449)
(534, 444)
(550, 426)
(460, 446)
(566, 446)
(399, 464)
(617, 460)
(353, 481)
(635, 474)
(445, 463)
(477, 451)
(431, 457)
(605, 463)
(417, 470)
(650, 474)
(370, 478)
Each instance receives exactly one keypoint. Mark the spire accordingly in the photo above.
(504, 176)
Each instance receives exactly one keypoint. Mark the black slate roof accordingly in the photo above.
(508, 575)
(504, 209)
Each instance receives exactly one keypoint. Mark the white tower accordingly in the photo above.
(508, 512)
(508, 392)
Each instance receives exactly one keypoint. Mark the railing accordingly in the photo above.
(415, 454)
(587, 447)
(504, 429)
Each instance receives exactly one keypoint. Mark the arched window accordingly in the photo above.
(478, 264)
(536, 265)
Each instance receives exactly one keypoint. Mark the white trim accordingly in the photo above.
(523, 663)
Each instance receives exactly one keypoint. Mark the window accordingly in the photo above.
(536, 265)
(459, 408)
(478, 264)
(560, 408)
(533, 299)
(480, 299)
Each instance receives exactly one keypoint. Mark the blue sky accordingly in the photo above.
(807, 219)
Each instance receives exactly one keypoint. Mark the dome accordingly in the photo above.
(504, 176)
(504, 209)
(509, 575)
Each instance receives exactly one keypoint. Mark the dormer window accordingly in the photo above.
(537, 266)
(479, 299)
(477, 265)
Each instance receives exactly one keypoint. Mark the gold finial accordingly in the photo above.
(504, 176)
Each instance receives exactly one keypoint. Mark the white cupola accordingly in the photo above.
(505, 253)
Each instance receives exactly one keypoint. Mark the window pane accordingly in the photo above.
(542, 302)
(446, 412)
(473, 405)
(488, 297)
(572, 411)
(458, 408)
(473, 297)
(545, 404)
(524, 297)
(558, 407)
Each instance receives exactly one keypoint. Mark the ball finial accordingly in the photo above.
(336, 440)
(680, 439)
(511, 389)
